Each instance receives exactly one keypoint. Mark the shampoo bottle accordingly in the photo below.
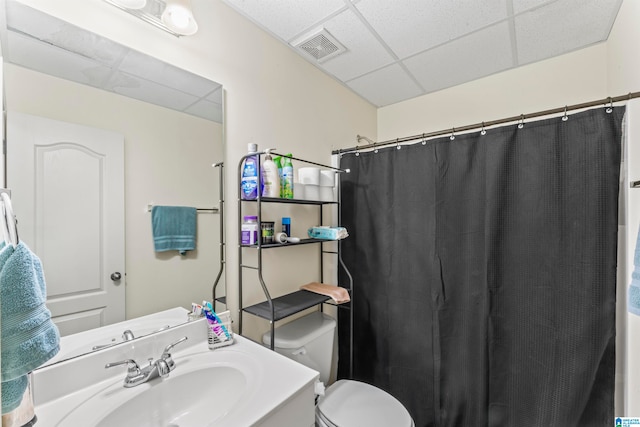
(287, 177)
(278, 162)
(270, 178)
(249, 181)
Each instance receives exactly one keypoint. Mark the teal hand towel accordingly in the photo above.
(174, 228)
(29, 336)
(634, 287)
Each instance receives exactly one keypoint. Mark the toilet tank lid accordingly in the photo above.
(354, 403)
(299, 332)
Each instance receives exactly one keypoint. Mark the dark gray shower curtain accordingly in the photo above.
(485, 272)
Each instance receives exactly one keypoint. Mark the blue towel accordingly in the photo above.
(174, 228)
(633, 303)
(29, 336)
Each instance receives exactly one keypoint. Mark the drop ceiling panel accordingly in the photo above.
(386, 86)
(165, 74)
(442, 42)
(520, 6)
(479, 54)
(411, 26)
(149, 91)
(364, 52)
(49, 45)
(65, 36)
(563, 26)
(37, 56)
(286, 19)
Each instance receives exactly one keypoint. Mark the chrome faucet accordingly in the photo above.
(158, 368)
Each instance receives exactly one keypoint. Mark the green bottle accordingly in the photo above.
(287, 177)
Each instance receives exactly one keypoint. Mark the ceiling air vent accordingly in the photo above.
(321, 45)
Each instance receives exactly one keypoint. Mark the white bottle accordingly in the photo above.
(270, 177)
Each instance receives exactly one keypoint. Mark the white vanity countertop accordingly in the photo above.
(274, 380)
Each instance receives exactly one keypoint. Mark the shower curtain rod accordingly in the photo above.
(521, 118)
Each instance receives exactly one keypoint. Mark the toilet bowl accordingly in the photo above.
(346, 403)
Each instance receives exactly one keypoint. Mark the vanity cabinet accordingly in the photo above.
(280, 307)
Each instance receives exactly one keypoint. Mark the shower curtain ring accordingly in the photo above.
(521, 124)
(424, 140)
(453, 134)
(610, 107)
(565, 117)
(398, 146)
(483, 131)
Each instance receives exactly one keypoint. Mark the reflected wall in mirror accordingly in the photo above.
(170, 122)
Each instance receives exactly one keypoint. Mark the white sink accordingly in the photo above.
(243, 384)
(177, 400)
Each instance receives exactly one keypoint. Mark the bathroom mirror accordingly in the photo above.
(171, 121)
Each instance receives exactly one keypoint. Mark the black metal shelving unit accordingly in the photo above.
(278, 308)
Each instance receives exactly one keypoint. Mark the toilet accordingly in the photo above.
(346, 403)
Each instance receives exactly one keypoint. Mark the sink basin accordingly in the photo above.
(199, 391)
(244, 384)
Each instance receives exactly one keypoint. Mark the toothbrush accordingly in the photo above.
(213, 319)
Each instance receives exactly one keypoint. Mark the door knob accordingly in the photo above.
(116, 276)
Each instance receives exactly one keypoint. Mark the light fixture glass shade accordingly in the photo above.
(131, 4)
(179, 17)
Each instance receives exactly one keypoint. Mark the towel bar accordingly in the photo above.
(209, 210)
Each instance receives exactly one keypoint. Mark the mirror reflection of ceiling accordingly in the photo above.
(400, 49)
(40, 42)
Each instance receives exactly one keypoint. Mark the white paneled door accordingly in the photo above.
(67, 188)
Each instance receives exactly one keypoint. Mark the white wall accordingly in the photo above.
(569, 79)
(168, 158)
(273, 98)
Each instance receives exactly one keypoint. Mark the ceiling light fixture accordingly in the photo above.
(179, 17)
(172, 16)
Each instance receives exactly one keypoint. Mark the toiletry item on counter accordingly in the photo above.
(286, 225)
(287, 177)
(249, 230)
(283, 238)
(327, 233)
(270, 177)
(267, 232)
(249, 183)
(219, 331)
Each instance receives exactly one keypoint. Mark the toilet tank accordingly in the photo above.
(307, 340)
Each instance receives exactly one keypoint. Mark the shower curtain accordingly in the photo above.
(484, 273)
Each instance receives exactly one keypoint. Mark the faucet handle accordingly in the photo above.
(168, 348)
(133, 368)
(166, 356)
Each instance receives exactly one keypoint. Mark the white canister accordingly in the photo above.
(312, 192)
(326, 194)
(298, 191)
(327, 178)
(309, 176)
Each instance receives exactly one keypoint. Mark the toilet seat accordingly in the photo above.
(349, 403)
